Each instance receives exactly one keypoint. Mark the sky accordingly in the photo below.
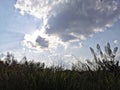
(58, 31)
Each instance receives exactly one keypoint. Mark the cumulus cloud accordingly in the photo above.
(41, 41)
(68, 21)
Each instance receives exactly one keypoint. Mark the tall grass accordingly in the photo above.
(102, 74)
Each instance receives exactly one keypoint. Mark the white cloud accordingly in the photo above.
(116, 41)
(65, 23)
(41, 41)
(69, 19)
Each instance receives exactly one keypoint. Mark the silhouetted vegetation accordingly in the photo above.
(101, 74)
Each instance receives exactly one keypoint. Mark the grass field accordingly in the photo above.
(104, 74)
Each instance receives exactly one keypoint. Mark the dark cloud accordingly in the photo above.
(71, 19)
(42, 42)
(83, 17)
(67, 37)
(65, 24)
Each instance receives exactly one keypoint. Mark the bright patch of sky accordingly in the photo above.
(55, 31)
(13, 26)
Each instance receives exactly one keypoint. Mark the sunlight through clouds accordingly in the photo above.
(63, 17)
(67, 23)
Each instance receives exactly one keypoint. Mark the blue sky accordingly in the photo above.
(25, 28)
(13, 25)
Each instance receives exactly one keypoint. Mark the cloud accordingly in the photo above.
(116, 41)
(68, 20)
(42, 42)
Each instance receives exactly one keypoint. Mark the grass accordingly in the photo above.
(102, 74)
